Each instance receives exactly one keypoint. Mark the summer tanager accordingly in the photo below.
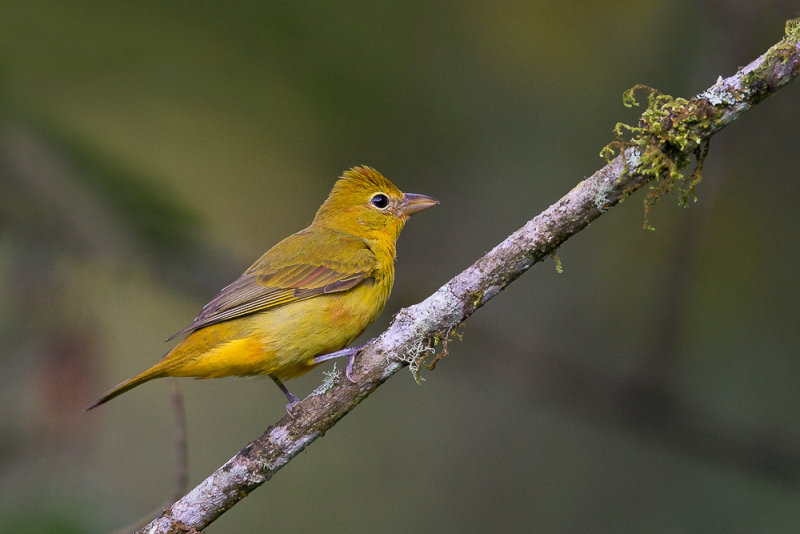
(306, 298)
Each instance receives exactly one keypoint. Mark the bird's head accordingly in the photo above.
(365, 204)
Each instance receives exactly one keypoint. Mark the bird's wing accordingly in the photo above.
(300, 267)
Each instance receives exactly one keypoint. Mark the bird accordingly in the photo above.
(305, 299)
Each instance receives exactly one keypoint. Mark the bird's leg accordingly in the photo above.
(351, 352)
(293, 399)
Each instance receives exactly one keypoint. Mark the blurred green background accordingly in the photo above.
(149, 151)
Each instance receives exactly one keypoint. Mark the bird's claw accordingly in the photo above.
(348, 371)
(290, 407)
(293, 400)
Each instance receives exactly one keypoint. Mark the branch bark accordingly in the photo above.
(417, 329)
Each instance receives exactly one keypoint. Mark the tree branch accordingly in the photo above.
(683, 128)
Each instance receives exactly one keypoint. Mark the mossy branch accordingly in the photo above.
(670, 133)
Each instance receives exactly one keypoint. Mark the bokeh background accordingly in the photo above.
(149, 151)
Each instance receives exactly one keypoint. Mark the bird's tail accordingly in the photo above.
(154, 372)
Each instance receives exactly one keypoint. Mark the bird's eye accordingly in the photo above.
(380, 201)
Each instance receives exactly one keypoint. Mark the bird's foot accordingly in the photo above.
(350, 352)
(291, 397)
(290, 406)
(349, 369)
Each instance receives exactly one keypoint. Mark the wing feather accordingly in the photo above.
(302, 266)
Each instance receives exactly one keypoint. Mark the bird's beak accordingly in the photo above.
(415, 203)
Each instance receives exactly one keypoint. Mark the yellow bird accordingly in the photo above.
(306, 298)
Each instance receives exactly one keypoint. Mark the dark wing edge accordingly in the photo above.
(252, 297)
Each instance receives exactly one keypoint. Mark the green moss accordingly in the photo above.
(444, 338)
(559, 267)
(793, 28)
(670, 131)
(756, 83)
(475, 298)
